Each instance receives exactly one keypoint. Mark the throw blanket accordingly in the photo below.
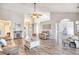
(3, 42)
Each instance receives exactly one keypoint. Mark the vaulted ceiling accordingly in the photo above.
(9, 10)
(27, 8)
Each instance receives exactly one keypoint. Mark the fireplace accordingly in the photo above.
(17, 34)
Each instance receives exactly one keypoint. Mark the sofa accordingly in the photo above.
(42, 36)
(32, 41)
(71, 40)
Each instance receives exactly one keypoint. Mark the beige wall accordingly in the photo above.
(14, 17)
(5, 27)
(44, 23)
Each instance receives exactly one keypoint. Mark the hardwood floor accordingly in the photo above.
(48, 47)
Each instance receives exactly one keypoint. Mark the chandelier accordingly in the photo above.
(35, 14)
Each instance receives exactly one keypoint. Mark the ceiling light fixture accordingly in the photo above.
(35, 14)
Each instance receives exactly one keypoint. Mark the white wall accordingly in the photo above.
(57, 17)
(18, 18)
(45, 19)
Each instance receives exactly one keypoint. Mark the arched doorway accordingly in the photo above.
(5, 27)
(65, 29)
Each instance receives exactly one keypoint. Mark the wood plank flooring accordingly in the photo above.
(48, 47)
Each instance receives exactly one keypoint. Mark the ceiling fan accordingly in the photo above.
(35, 13)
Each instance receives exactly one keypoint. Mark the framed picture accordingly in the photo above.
(47, 26)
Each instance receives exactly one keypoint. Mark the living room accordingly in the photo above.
(53, 28)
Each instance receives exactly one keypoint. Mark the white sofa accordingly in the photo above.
(77, 43)
(32, 43)
(73, 38)
(76, 40)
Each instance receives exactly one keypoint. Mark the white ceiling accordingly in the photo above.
(61, 7)
(27, 8)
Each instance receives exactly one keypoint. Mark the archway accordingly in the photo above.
(65, 29)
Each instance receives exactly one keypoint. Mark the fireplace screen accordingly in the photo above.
(17, 34)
